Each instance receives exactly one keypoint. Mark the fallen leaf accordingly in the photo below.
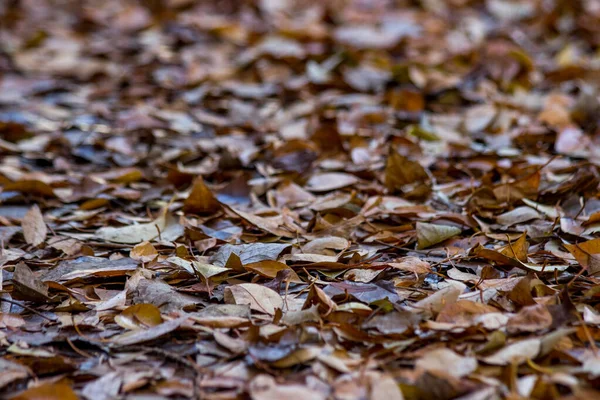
(400, 172)
(270, 225)
(139, 316)
(34, 228)
(89, 267)
(269, 269)
(144, 252)
(431, 234)
(249, 253)
(259, 298)
(164, 227)
(145, 335)
(438, 300)
(446, 361)
(515, 353)
(201, 200)
(27, 286)
(48, 391)
(264, 387)
(330, 181)
(585, 254)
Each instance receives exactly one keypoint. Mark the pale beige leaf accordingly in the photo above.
(448, 362)
(34, 228)
(515, 353)
(431, 234)
(260, 298)
(438, 300)
(330, 181)
(144, 252)
(164, 227)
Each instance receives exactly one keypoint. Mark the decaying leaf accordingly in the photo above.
(401, 171)
(201, 200)
(446, 361)
(34, 228)
(145, 335)
(165, 227)
(431, 234)
(436, 301)
(139, 316)
(27, 285)
(259, 298)
(516, 353)
(265, 387)
(587, 254)
(274, 199)
(48, 391)
(249, 253)
(144, 252)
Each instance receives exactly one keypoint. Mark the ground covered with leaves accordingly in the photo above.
(334, 199)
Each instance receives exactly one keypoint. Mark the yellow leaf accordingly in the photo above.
(139, 316)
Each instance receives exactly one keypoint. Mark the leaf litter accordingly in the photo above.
(316, 199)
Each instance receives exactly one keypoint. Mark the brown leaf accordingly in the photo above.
(330, 181)
(34, 228)
(139, 316)
(530, 319)
(48, 391)
(259, 298)
(400, 172)
(269, 269)
(144, 252)
(431, 234)
(586, 254)
(264, 387)
(27, 286)
(201, 200)
(516, 353)
(518, 249)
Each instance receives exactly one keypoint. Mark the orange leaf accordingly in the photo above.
(48, 391)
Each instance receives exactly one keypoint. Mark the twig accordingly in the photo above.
(16, 303)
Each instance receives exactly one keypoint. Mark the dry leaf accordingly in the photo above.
(201, 200)
(48, 391)
(259, 298)
(34, 228)
(27, 286)
(165, 227)
(144, 252)
(400, 171)
(139, 316)
(431, 234)
(586, 254)
(330, 181)
(264, 387)
(145, 335)
(445, 361)
(515, 353)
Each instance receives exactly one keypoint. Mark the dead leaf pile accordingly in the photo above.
(269, 199)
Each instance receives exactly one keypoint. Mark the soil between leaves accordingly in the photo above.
(302, 200)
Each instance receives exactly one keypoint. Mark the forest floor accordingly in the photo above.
(277, 199)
